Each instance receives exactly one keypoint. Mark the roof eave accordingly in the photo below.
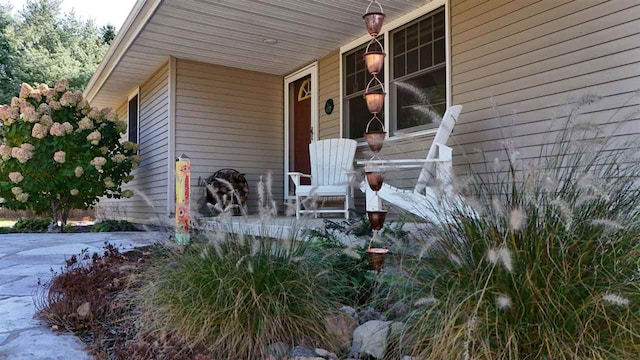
(139, 16)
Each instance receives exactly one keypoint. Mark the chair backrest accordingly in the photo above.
(428, 171)
(331, 161)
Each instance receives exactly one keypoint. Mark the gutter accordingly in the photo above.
(137, 19)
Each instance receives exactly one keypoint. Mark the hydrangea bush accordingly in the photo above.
(57, 153)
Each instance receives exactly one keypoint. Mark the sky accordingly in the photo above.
(102, 11)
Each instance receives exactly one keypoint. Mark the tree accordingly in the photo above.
(45, 45)
(108, 33)
(59, 154)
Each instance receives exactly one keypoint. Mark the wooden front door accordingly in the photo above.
(302, 133)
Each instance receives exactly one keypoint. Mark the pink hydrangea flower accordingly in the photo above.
(94, 137)
(5, 152)
(57, 129)
(46, 120)
(23, 197)
(44, 109)
(25, 90)
(61, 85)
(85, 124)
(60, 157)
(98, 162)
(39, 131)
(118, 158)
(24, 153)
(15, 177)
(16, 190)
(74, 192)
(78, 171)
(29, 114)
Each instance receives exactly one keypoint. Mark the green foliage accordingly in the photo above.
(42, 45)
(58, 153)
(540, 261)
(238, 295)
(31, 225)
(113, 226)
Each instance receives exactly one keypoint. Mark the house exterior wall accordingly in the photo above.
(231, 118)
(529, 57)
(150, 183)
(329, 88)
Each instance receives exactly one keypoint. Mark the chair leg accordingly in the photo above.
(297, 207)
(347, 205)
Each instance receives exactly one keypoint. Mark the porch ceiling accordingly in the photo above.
(229, 33)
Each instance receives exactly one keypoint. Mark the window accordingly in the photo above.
(418, 75)
(417, 84)
(133, 119)
(356, 79)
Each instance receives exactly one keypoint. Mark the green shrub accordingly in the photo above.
(541, 261)
(113, 226)
(31, 225)
(238, 295)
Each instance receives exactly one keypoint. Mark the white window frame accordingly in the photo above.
(309, 70)
(386, 30)
(133, 94)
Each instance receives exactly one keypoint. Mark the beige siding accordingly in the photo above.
(150, 183)
(532, 57)
(329, 88)
(231, 118)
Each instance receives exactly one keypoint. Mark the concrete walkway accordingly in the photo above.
(23, 259)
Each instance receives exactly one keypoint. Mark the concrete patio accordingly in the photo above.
(25, 258)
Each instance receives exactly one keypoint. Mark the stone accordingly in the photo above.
(368, 314)
(341, 326)
(349, 311)
(84, 310)
(326, 354)
(278, 350)
(370, 338)
(302, 352)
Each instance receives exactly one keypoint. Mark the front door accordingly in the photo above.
(301, 130)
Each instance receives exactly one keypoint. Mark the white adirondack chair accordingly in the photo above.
(422, 200)
(331, 171)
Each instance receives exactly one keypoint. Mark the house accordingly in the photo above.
(248, 84)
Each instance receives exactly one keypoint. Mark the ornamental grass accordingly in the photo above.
(542, 258)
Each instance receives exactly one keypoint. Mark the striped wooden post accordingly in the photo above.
(183, 214)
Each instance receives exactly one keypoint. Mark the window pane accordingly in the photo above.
(412, 36)
(412, 61)
(133, 119)
(398, 66)
(398, 42)
(360, 81)
(358, 115)
(438, 25)
(426, 56)
(438, 52)
(351, 86)
(421, 100)
(351, 64)
(425, 31)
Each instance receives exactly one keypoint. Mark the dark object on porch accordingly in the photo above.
(229, 187)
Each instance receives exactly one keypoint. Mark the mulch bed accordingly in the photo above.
(92, 296)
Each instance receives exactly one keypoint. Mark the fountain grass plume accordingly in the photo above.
(553, 276)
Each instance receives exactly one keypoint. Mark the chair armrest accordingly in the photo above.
(400, 164)
(295, 176)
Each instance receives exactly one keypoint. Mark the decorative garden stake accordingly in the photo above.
(183, 216)
(374, 61)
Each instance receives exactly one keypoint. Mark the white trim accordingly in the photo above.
(133, 94)
(133, 25)
(171, 156)
(311, 70)
(386, 29)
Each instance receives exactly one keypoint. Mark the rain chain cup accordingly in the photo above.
(374, 60)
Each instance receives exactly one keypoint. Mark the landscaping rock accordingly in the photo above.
(326, 354)
(370, 338)
(302, 353)
(350, 311)
(342, 327)
(368, 314)
(278, 350)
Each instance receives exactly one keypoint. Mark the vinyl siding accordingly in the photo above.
(534, 56)
(231, 118)
(529, 58)
(329, 88)
(150, 183)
